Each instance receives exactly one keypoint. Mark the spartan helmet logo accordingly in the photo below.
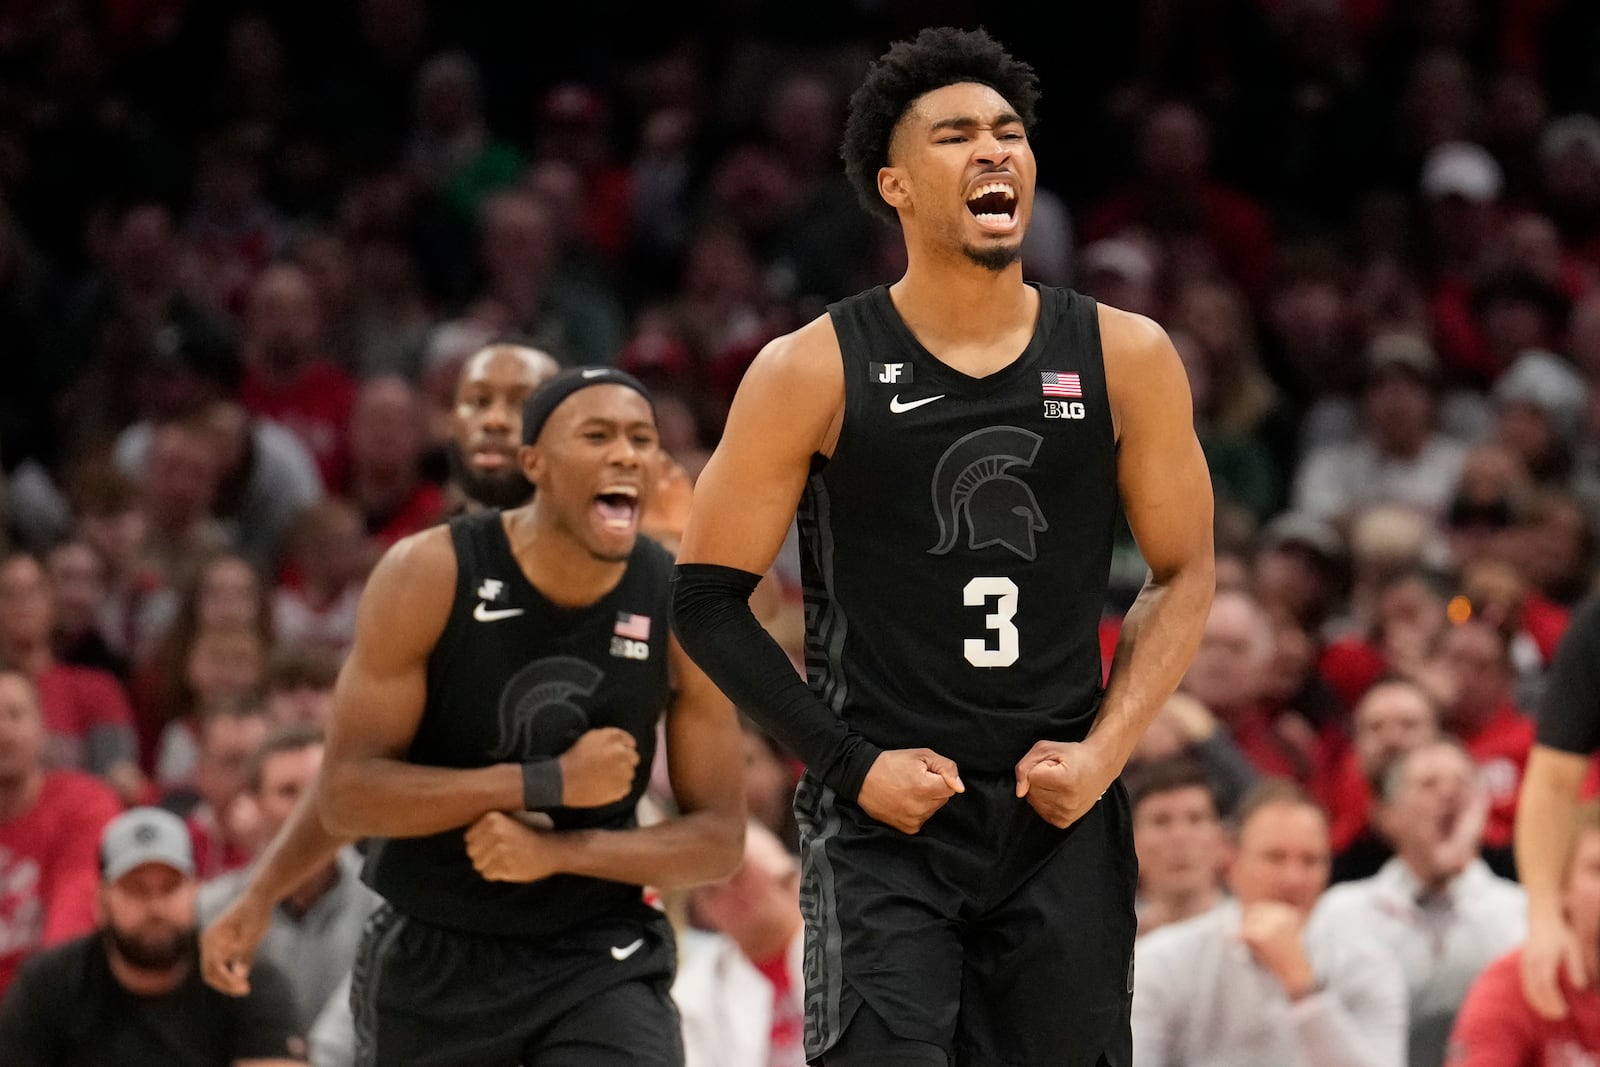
(537, 714)
(971, 480)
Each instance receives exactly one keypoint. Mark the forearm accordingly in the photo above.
(689, 850)
(379, 797)
(1546, 812)
(1159, 636)
(713, 621)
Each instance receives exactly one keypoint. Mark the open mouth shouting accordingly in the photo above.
(994, 204)
(618, 508)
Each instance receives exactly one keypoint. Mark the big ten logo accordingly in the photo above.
(623, 648)
(1064, 409)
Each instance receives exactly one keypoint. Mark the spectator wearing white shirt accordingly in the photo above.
(1251, 984)
(1435, 905)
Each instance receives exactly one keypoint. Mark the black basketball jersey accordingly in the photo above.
(956, 547)
(514, 677)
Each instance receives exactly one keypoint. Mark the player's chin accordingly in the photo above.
(995, 255)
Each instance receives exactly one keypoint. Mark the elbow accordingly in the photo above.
(338, 806)
(726, 847)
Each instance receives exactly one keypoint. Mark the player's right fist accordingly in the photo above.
(905, 786)
(598, 769)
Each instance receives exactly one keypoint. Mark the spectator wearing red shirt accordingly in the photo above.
(1497, 1027)
(222, 821)
(1203, 226)
(387, 442)
(1476, 659)
(287, 378)
(88, 721)
(50, 823)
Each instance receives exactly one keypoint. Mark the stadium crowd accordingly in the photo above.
(246, 251)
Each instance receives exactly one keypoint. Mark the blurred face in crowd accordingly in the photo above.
(299, 704)
(1399, 411)
(1409, 617)
(1227, 671)
(520, 245)
(226, 662)
(1282, 855)
(1180, 842)
(229, 593)
(1391, 719)
(1436, 783)
(768, 784)
(77, 578)
(27, 612)
(494, 384)
(228, 743)
(386, 426)
(1474, 654)
(760, 904)
(148, 916)
(283, 324)
(22, 733)
(285, 777)
(181, 474)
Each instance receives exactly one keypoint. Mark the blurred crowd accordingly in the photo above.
(245, 251)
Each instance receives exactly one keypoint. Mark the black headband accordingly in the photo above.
(538, 408)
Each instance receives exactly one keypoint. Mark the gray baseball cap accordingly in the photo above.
(144, 835)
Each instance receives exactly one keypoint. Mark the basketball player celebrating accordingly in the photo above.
(518, 661)
(958, 444)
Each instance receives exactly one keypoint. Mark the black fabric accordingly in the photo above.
(990, 934)
(597, 995)
(541, 784)
(515, 678)
(956, 546)
(1568, 715)
(711, 616)
(539, 406)
(66, 1009)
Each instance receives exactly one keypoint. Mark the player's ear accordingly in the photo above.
(893, 187)
(531, 459)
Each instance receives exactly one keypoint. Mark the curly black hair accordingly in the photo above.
(936, 57)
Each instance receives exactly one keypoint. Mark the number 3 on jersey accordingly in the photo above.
(1002, 649)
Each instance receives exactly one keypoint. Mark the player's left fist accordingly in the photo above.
(503, 849)
(1061, 780)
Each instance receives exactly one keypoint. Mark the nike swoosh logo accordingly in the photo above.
(483, 614)
(626, 950)
(597, 372)
(897, 407)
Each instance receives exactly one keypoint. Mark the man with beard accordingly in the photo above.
(517, 663)
(131, 993)
(486, 431)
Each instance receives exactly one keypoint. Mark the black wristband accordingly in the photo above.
(541, 784)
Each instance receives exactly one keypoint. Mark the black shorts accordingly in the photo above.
(990, 934)
(599, 996)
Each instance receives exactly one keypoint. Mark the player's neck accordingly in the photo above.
(556, 563)
(974, 320)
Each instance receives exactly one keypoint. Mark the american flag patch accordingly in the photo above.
(1057, 383)
(633, 627)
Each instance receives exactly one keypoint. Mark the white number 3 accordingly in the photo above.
(1006, 648)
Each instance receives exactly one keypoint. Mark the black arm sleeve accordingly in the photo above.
(711, 616)
(1568, 716)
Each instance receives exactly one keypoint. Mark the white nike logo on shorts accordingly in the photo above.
(483, 613)
(626, 950)
(597, 372)
(897, 407)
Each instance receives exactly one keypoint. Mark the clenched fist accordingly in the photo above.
(502, 849)
(598, 769)
(905, 786)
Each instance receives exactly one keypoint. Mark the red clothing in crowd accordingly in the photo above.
(425, 507)
(214, 854)
(1346, 797)
(1500, 749)
(315, 404)
(1497, 1028)
(77, 701)
(50, 867)
(1349, 666)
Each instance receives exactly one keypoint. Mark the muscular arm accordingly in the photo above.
(366, 788)
(703, 843)
(1166, 495)
(788, 408)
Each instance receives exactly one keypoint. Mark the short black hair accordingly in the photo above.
(1168, 776)
(936, 57)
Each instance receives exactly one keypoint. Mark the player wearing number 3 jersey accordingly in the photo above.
(955, 447)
